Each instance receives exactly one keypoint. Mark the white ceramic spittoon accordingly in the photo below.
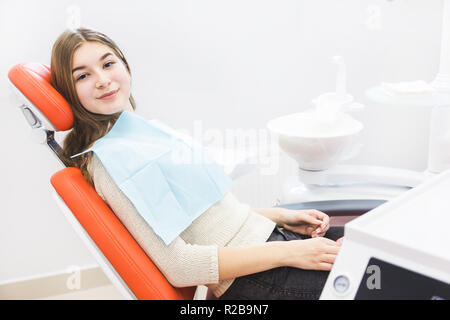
(324, 135)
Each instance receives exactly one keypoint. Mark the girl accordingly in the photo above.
(236, 251)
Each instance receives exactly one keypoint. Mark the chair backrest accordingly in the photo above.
(47, 111)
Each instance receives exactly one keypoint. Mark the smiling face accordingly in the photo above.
(102, 81)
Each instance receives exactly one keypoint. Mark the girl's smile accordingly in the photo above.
(109, 95)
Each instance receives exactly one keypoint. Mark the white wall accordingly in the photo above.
(231, 64)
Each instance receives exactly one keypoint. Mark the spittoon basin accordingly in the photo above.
(316, 145)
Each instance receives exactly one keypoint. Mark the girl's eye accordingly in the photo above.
(108, 64)
(81, 77)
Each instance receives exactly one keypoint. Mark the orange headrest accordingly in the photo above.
(33, 81)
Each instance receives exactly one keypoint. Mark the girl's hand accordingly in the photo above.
(311, 254)
(311, 222)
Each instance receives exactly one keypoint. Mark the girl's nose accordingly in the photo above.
(102, 81)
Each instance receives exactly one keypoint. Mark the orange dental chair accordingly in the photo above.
(121, 258)
(118, 254)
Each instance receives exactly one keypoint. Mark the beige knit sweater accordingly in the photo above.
(192, 258)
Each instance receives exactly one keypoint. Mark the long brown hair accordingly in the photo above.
(87, 126)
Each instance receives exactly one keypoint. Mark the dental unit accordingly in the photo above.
(386, 252)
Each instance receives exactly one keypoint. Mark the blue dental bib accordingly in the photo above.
(169, 178)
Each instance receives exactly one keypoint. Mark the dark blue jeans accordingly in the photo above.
(284, 283)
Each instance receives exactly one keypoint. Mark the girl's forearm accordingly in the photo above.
(240, 261)
(273, 214)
